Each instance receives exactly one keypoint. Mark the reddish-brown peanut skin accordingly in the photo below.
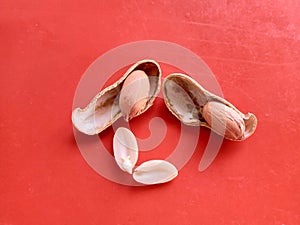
(134, 94)
(224, 120)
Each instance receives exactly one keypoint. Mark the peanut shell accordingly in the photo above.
(186, 98)
(103, 110)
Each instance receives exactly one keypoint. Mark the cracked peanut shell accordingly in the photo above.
(185, 98)
(103, 110)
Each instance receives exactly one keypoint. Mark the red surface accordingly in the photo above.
(254, 51)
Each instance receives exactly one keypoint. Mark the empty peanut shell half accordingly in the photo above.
(104, 109)
(125, 149)
(155, 172)
(189, 102)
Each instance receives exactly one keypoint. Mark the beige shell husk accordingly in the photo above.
(185, 99)
(155, 172)
(103, 110)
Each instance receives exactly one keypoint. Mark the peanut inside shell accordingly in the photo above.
(103, 110)
(186, 98)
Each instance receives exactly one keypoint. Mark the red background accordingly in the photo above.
(253, 48)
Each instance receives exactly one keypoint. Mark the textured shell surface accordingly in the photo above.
(183, 99)
(103, 110)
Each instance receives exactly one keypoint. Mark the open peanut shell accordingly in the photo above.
(103, 110)
(185, 99)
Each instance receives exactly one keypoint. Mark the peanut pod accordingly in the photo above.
(104, 109)
(189, 102)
